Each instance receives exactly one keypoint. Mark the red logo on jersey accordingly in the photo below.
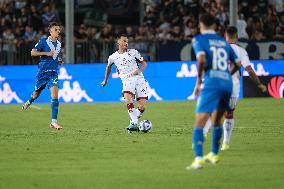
(276, 87)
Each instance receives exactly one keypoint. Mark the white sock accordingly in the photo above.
(227, 129)
(54, 121)
(133, 115)
(138, 112)
(207, 126)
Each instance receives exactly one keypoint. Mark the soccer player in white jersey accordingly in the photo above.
(231, 35)
(134, 85)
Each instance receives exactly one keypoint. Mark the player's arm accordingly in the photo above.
(201, 60)
(108, 70)
(38, 50)
(139, 59)
(35, 52)
(246, 64)
(235, 66)
(141, 69)
(235, 61)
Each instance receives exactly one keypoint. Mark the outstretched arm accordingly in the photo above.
(108, 69)
(255, 78)
(34, 52)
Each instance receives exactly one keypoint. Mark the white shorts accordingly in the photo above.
(137, 86)
(233, 103)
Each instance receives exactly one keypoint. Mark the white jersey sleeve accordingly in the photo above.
(110, 61)
(244, 57)
(138, 56)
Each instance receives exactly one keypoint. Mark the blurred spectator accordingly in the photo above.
(47, 16)
(9, 45)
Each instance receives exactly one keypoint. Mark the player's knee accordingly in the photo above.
(141, 106)
(229, 114)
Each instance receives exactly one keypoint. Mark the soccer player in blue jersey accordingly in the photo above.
(213, 56)
(47, 75)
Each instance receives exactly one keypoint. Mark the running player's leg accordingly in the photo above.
(33, 97)
(128, 94)
(228, 124)
(54, 107)
(207, 103)
(142, 96)
(39, 86)
(141, 107)
(207, 127)
(53, 87)
(128, 97)
(216, 137)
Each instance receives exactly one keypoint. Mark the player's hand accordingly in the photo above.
(104, 83)
(60, 61)
(137, 72)
(262, 87)
(197, 90)
(51, 53)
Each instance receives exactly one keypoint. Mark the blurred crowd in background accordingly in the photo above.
(24, 22)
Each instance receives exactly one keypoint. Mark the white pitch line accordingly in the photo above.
(36, 107)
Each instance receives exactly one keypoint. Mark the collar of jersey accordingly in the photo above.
(208, 32)
(51, 40)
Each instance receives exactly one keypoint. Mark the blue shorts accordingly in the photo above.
(212, 99)
(46, 79)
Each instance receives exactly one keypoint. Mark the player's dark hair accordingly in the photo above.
(121, 35)
(207, 19)
(52, 24)
(232, 31)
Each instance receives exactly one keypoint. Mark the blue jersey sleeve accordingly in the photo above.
(197, 47)
(39, 46)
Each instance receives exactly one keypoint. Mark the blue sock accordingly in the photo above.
(216, 137)
(54, 108)
(198, 140)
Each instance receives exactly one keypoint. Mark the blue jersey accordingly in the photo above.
(48, 63)
(218, 56)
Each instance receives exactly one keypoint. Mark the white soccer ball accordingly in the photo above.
(145, 126)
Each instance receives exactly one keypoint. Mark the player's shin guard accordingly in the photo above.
(54, 109)
(216, 137)
(132, 113)
(198, 140)
(228, 128)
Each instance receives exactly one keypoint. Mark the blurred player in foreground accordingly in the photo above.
(47, 75)
(213, 55)
(134, 85)
(231, 35)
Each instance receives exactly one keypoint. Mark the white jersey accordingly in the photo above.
(126, 63)
(243, 56)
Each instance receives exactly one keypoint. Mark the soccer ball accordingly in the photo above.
(145, 126)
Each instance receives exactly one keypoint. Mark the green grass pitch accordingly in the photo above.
(95, 151)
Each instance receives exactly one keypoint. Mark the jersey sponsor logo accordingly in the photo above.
(276, 87)
(7, 95)
(72, 93)
(185, 72)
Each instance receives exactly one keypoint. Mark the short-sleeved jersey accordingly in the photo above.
(48, 63)
(218, 54)
(243, 57)
(126, 63)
